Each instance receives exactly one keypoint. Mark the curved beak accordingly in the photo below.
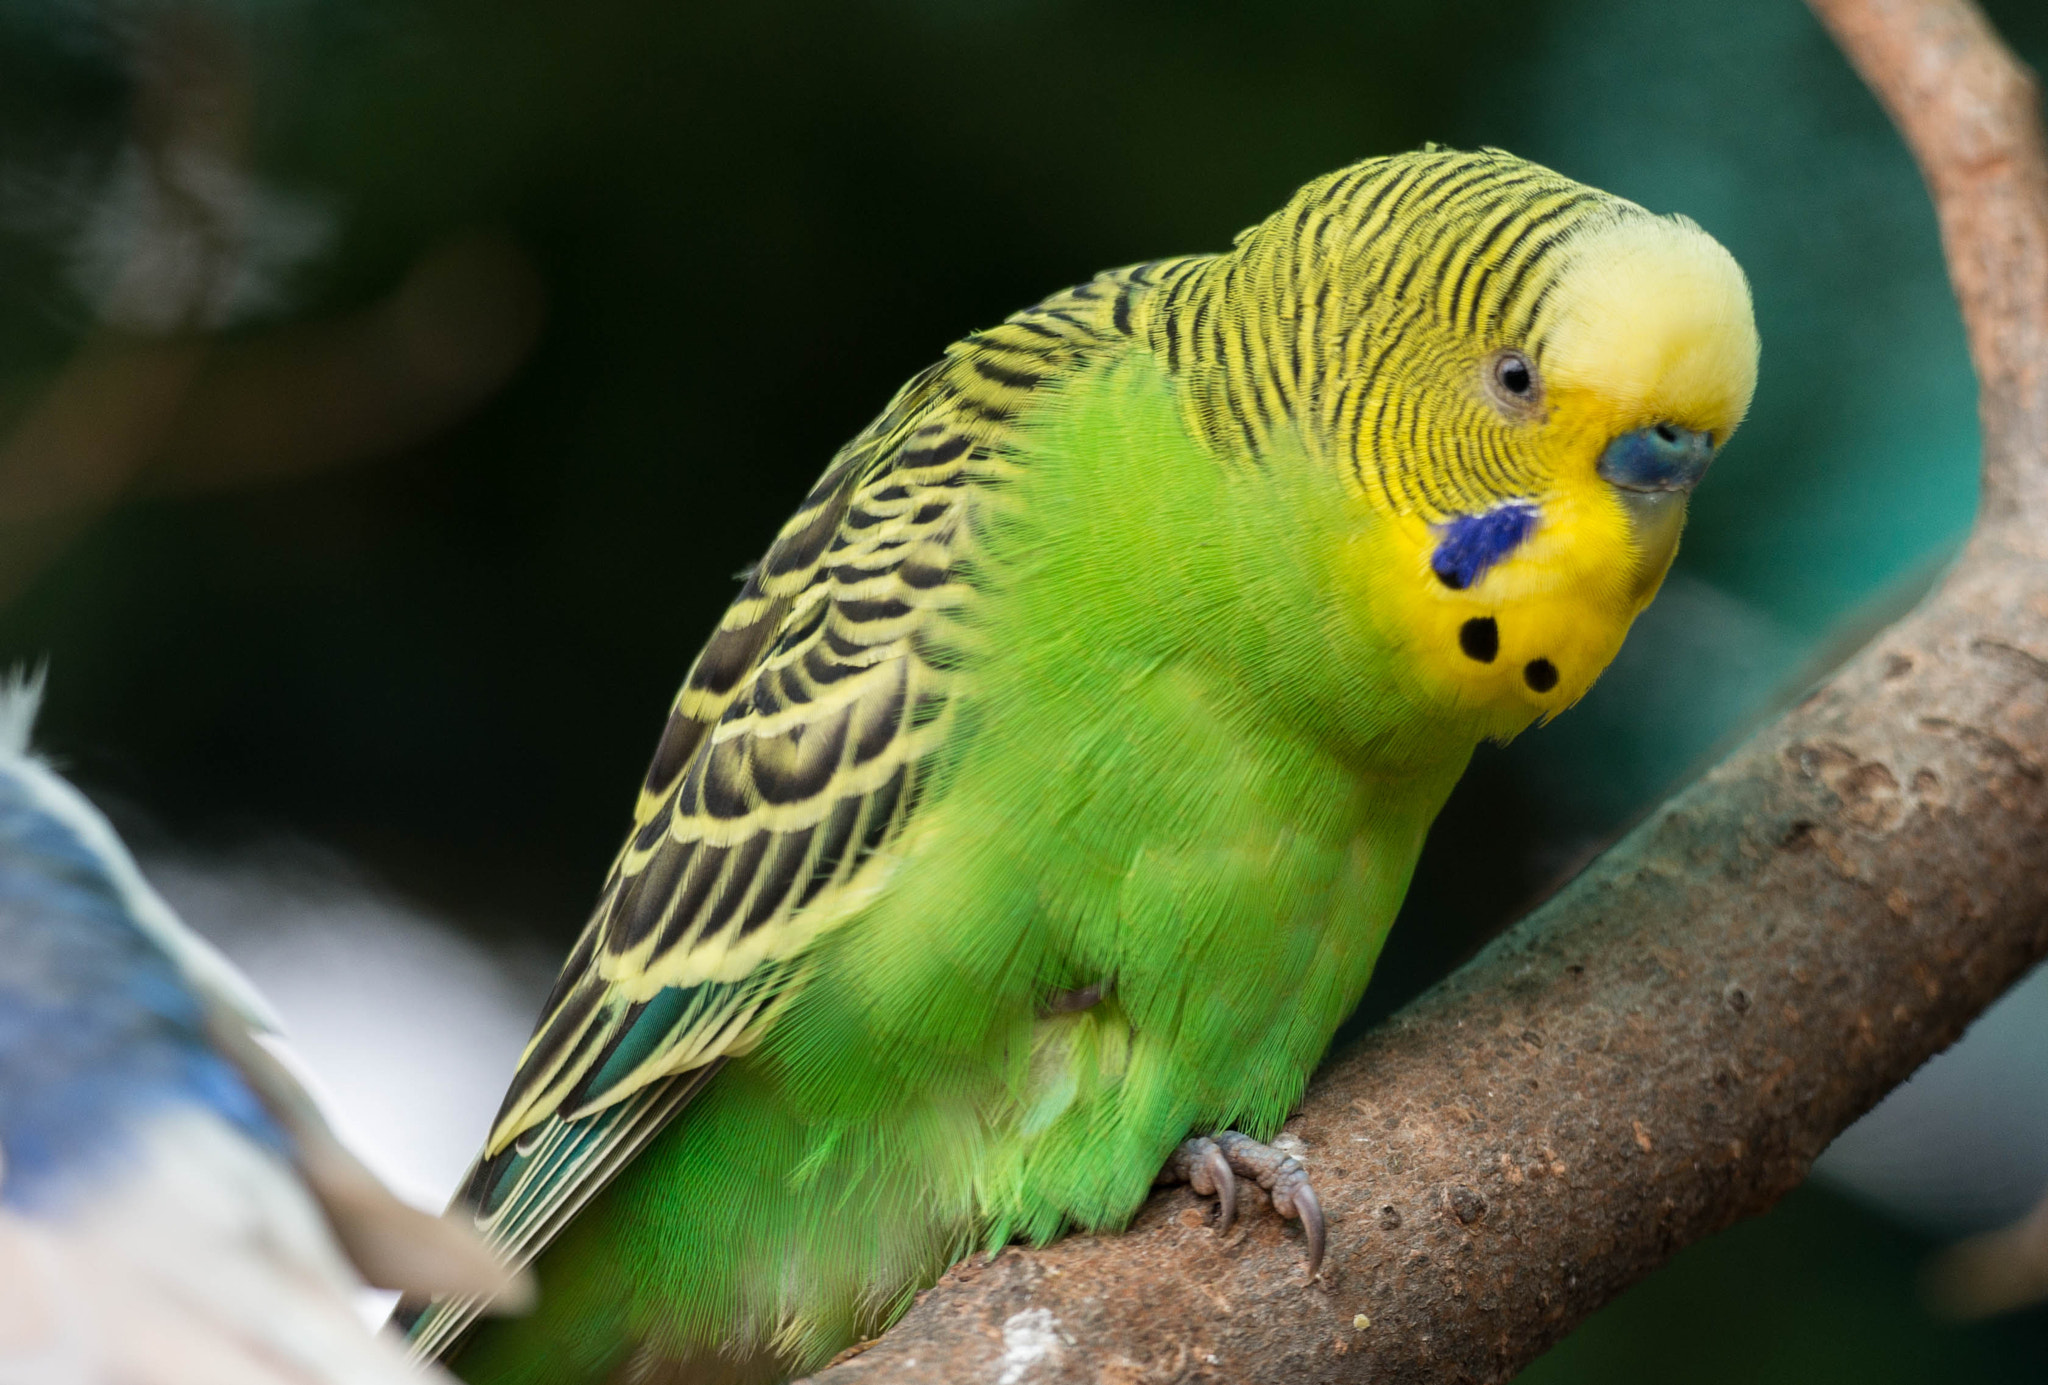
(1653, 470)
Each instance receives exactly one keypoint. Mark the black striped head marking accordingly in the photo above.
(1395, 315)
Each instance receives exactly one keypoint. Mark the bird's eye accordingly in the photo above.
(1513, 384)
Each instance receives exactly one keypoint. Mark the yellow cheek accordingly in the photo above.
(1527, 639)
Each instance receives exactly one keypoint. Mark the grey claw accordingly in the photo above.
(1283, 1176)
(1204, 1167)
(1218, 1169)
(1311, 1213)
(1294, 1196)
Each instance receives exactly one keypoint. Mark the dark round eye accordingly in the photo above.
(1515, 374)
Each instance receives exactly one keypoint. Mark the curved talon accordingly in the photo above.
(1295, 1197)
(1212, 1166)
(1218, 1169)
(1282, 1176)
(1310, 1210)
(1204, 1167)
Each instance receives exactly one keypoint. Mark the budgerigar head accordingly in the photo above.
(1519, 378)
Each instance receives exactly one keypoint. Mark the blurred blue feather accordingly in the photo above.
(99, 1027)
(157, 1162)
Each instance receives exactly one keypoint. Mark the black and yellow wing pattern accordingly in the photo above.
(793, 757)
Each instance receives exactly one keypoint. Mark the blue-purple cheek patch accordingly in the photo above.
(1467, 545)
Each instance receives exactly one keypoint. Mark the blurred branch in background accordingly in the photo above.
(182, 243)
(1664, 1047)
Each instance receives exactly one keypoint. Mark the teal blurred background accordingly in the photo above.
(391, 390)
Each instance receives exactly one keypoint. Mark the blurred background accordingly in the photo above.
(390, 391)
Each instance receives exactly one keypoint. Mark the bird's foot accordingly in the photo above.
(1212, 1164)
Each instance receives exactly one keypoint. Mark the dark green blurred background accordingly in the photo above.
(462, 350)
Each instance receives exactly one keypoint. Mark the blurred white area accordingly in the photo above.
(407, 1029)
(187, 239)
(403, 1028)
(1963, 1146)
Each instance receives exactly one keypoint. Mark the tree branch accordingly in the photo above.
(1665, 1046)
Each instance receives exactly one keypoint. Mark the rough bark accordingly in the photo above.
(1666, 1045)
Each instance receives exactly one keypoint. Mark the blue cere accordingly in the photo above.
(1663, 458)
(98, 1027)
(1470, 544)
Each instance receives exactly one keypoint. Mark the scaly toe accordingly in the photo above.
(1201, 1165)
(1283, 1176)
(1218, 1169)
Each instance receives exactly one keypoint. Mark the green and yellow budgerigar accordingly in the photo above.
(1038, 810)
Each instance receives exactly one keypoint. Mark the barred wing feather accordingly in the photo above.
(793, 757)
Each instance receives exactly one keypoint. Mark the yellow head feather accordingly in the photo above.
(1650, 322)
